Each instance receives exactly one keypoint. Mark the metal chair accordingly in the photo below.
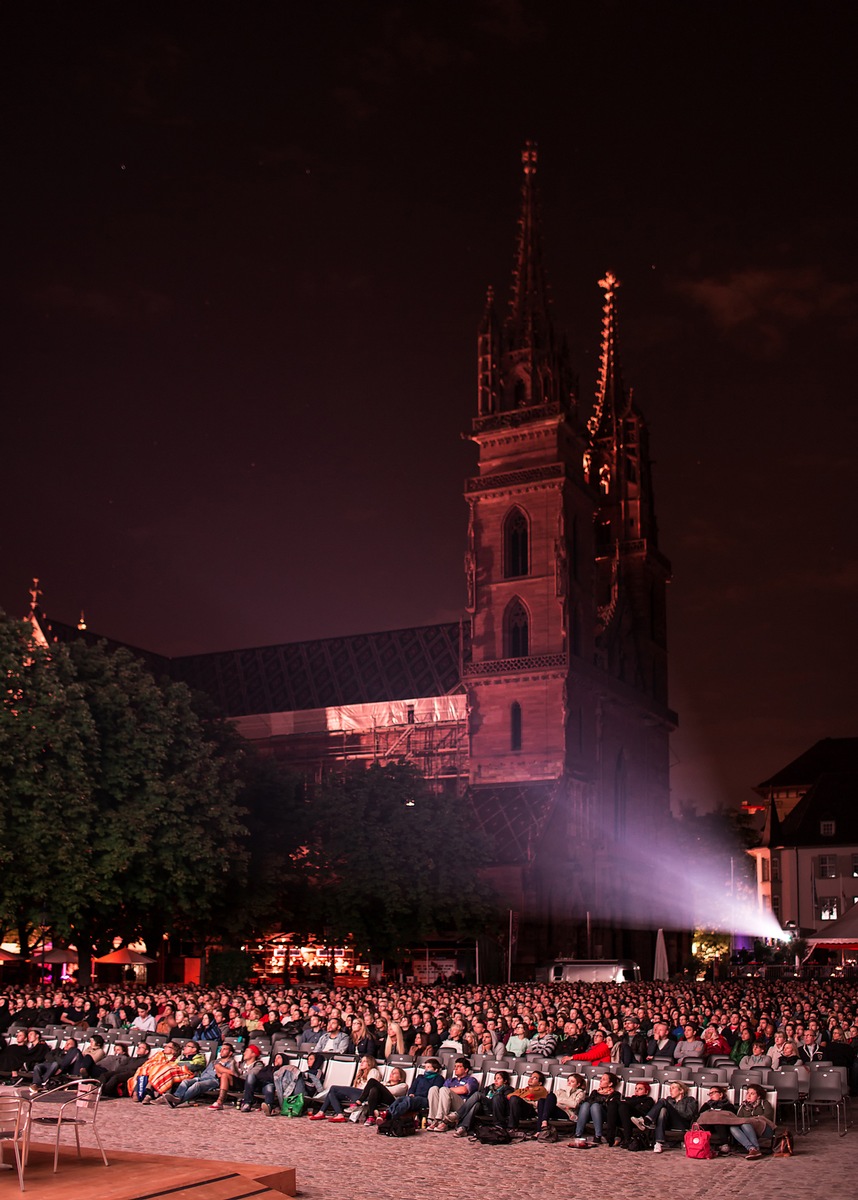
(14, 1121)
(79, 1109)
(826, 1090)
(788, 1091)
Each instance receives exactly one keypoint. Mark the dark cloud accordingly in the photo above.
(764, 306)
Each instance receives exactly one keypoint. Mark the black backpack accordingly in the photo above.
(402, 1126)
(492, 1135)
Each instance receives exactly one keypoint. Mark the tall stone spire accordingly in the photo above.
(612, 403)
(528, 325)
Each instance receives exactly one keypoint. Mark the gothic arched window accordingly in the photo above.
(515, 544)
(515, 726)
(516, 630)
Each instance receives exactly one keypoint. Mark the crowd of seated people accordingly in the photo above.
(452, 1055)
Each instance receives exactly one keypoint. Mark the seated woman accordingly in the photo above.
(717, 1102)
(208, 1030)
(758, 1117)
(334, 1097)
(677, 1111)
(363, 1040)
(394, 1043)
(601, 1107)
(377, 1095)
(563, 1103)
(714, 1044)
(421, 1046)
(517, 1044)
(633, 1110)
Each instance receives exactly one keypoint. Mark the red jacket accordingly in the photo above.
(599, 1052)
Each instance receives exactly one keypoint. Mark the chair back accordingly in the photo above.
(13, 1115)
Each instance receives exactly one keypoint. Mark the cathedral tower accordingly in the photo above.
(566, 680)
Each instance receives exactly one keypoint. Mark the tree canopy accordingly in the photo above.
(391, 863)
(118, 811)
(127, 809)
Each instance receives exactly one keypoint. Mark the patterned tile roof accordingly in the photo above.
(364, 668)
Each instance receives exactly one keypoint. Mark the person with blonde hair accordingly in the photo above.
(678, 1110)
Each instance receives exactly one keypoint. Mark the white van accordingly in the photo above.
(594, 970)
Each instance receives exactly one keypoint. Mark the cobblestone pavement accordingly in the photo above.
(349, 1162)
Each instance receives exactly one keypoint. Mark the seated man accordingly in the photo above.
(544, 1041)
(161, 1073)
(334, 1040)
(446, 1100)
(218, 1071)
(113, 1083)
(66, 1061)
(416, 1099)
(479, 1103)
(661, 1044)
(520, 1104)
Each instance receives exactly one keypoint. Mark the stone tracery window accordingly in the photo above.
(516, 630)
(515, 544)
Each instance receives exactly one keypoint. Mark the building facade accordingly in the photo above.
(545, 706)
(807, 860)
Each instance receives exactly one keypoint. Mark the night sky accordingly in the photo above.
(245, 256)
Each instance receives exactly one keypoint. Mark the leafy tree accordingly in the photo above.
(48, 743)
(169, 832)
(391, 863)
(277, 816)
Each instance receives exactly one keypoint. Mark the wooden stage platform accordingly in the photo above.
(142, 1177)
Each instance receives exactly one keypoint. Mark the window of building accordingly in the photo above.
(516, 630)
(515, 544)
(826, 828)
(855, 865)
(826, 866)
(765, 870)
(776, 906)
(776, 868)
(826, 908)
(515, 726)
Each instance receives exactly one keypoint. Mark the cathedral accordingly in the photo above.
(545, 707)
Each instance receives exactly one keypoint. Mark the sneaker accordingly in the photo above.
(460, 1132)
(266, 1108)
(318, 1116)
(658, 1148)
(598, 1141)
(753, 1153)
(639, 1122)
(217, 1106)
(437, 1127)
(244, 1108)
(369, 1121)
(146, 1100)
(649, 1123)
(337, 1119)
